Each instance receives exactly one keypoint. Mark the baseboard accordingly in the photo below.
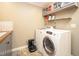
(16, 49)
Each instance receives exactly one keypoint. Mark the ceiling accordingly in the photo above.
(40, 4)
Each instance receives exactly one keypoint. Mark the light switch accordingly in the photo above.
(73, 25)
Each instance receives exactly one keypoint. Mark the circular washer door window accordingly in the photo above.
(48, 46)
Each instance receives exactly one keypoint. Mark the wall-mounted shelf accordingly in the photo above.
(61, 19)
(71, 5)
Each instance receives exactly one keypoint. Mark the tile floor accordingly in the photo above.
(25, 52)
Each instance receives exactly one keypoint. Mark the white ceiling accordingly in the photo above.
(40, 4)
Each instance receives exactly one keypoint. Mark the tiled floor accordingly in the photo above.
(25, 52)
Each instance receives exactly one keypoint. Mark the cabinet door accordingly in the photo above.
(6, 46)
(3, 48)
(9, 45)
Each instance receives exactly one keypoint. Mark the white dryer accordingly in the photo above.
(53, 42)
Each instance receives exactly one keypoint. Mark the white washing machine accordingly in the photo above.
(53, 42)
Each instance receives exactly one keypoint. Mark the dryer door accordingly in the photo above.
(48, 46)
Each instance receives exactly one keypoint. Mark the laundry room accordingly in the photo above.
(39, 29)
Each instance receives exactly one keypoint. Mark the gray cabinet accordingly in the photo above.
(6, 46)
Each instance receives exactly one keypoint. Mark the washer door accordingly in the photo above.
(48, 46)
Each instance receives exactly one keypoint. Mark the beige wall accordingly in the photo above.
(26, 19)
(66, 24)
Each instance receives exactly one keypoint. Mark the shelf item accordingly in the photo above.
(49, 17)
(48, 9)
(53, 17)
(46, 19)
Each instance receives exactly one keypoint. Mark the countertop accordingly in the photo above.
(2, 38)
